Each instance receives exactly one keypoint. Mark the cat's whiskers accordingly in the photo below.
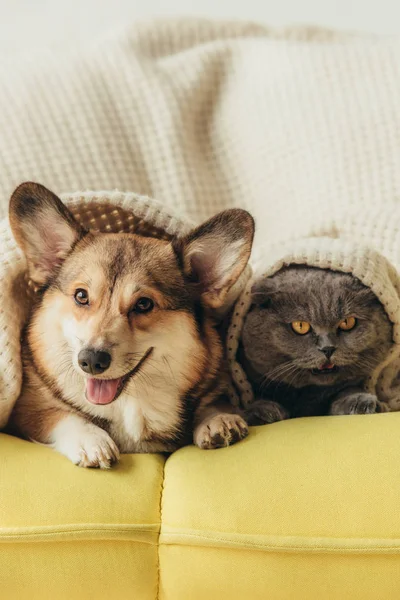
(364, 363)
(296, 373)
(279, 370)
(285, 369)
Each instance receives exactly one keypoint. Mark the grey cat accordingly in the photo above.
(310, 340)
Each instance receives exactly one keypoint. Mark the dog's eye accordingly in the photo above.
(81, 296)
(143, 305)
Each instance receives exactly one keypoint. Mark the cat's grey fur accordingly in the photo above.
(280, 363)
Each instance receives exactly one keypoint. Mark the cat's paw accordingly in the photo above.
(85, 444)
(220, 430)
(262, 412)
(359, 403)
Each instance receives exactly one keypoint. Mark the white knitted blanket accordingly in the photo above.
(301, 127)
(292, 125)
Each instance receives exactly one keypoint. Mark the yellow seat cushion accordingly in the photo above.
(67, 532)
(302, 509)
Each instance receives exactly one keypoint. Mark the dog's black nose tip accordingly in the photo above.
(94, 361)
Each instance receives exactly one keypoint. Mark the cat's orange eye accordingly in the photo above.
(348, 324)
(301, 327)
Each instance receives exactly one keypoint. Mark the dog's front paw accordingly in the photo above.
(359, 403)
(261, 412)
(220, 430)
(98, 450)
(85, 444)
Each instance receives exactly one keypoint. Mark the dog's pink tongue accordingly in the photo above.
(101, 391)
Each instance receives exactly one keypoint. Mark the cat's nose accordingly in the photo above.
(328, 351)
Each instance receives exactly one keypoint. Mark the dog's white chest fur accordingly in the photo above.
(129, 424)
(133, 420)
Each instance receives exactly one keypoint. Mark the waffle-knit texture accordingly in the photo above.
(300, 126)
(205, 115)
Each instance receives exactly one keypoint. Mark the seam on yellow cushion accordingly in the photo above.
(173, 536)
(144, 533)
(160, 509)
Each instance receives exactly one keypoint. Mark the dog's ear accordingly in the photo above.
(214, 254)
(44, 229)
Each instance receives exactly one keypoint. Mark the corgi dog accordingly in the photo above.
(121, 352)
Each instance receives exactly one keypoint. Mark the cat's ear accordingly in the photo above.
(262, 291)
(214, 254)
(44, 229)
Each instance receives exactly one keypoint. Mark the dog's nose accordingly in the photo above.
(94, 361)
(328, 351)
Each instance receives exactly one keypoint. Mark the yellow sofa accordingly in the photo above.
(303, 509)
